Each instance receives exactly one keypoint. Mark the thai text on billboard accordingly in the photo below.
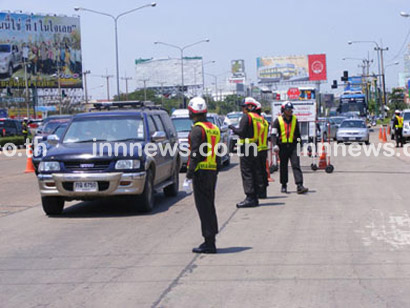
(41, 49)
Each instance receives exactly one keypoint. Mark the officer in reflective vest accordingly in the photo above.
(398, 129)
(286, 126)
(248, 145)
(24, 126)
(202, 169)
(262, 177)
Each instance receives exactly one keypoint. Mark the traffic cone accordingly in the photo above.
(380, 134)
(29, 163)
(384, 135)
(268, 172)
(323, 158)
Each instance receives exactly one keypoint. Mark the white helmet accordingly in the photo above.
(258, 106)
(250, 103)
(397, 111)
(25, 119)
(197, 105)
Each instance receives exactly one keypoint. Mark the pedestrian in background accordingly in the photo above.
(202, 170)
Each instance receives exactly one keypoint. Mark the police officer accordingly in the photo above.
(262, 175)
(248, 143)
(398, 128)
(25, 129)
(286, 126)
(202, 169)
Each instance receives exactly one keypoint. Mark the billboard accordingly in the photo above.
(238, 68)
(305, 111)
(40, 48)
(291, 68)
(167, 72)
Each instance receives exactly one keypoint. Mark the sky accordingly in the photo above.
(237, 29)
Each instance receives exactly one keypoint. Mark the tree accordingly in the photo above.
(396, 100)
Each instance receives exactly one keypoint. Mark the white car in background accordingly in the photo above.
(353, 130)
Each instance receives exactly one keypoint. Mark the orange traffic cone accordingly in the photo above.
(29, 163)
(268, 172)
(380, 134)
(384, 135)
(323, 158)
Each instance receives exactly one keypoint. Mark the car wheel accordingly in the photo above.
(172, 190)
(367, 142)
(146, 199)
(52, 205)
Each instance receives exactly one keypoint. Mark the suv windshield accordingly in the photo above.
(353, 124)
(52, 125)
(105, 129)
(4, 48)
(406, 116)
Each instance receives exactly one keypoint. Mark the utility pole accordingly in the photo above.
(381, 49)
(126, 85)
(27, 94)
(108, 84)
(145, 88)
(85, 86)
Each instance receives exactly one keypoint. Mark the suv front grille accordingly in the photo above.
(87, 166)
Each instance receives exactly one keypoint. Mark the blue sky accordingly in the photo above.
(237, 30)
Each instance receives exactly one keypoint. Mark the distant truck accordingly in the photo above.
(10, 58)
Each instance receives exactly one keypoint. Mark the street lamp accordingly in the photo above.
(115, 18)
(404, 14)
(203, 73)
(181, 49)
(380, 63)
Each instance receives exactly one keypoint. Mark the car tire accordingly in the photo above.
(173, 189)
(52, 206)
(146, 199)
(367, 142)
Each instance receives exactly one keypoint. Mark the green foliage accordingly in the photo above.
(16, 140)
(396, 100)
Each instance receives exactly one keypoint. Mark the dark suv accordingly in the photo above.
(81, 167)
(10, 127)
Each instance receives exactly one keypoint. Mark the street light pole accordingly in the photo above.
(181, 49)
(85, 86)
(115, 18)
(126, 86)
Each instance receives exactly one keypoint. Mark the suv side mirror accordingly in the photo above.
(53, 139)
(159, 136)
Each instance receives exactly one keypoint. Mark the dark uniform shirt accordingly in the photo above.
(245, 129)
(276, 125)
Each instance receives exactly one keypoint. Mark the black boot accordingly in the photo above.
(302, 189)
(206, 247)
(248, 202)
(262, 194)
(284, 189)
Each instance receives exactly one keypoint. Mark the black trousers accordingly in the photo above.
(249, 173)
(289, 152)
(262, 175)
(204, 184)
(399, 136)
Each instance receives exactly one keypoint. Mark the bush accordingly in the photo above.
(16, 140)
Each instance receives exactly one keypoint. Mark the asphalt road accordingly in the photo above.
(344, 244)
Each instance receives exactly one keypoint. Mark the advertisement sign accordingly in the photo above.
(44, 45)
(354, 84)
(167, 72)
(317, 67)
(291, 68)
(238, 68)
(293, 93)
(305, 111)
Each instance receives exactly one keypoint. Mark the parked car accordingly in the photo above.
(406, 124)
(352, 130)
(72, 170)
(183, 125)
(33, 125)
(10, 127)
(233, 118)
(10, 58)
(44, 122)
(329, 127)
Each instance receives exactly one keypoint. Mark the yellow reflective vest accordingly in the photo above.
(213, 136)
(287, 130)
(257, 124)
(263, 137)
(399, 121)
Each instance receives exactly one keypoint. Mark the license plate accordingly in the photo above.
(352, 138)
(85, 186)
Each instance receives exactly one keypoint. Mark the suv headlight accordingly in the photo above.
(48, 166)
(127, 164)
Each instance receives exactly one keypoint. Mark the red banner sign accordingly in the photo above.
(317, 67)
